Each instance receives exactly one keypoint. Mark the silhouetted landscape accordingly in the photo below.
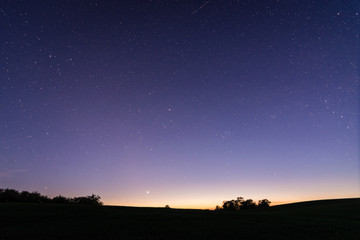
(158, 105)
(323, 219)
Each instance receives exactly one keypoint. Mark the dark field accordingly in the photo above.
(327, 219)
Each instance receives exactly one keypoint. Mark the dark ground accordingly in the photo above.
(326, 219)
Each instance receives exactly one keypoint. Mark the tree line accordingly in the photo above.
(240, 204)
(11, 195)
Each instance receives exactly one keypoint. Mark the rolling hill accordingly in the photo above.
(323, 219)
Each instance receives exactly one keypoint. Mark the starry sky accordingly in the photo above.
(186, 103)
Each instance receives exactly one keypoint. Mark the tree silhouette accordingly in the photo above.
(264, 203)
(34, 197)
(60, 199)
(248, 204)
(233, 205)
(11, 195)
(241, 204)
(90, 200)
(25, 196)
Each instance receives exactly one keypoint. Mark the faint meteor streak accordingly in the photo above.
(194, 12)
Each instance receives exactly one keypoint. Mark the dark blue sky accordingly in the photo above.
(185, 103)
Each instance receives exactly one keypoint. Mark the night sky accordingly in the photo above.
(186, 103)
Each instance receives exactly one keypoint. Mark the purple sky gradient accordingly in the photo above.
(149, 103)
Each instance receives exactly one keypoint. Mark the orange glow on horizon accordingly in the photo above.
(212, 206)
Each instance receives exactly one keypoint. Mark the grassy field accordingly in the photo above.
(326, 219)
